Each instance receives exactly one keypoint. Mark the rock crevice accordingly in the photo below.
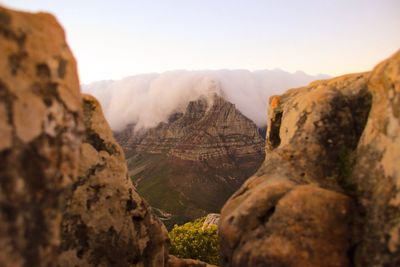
(326, 194)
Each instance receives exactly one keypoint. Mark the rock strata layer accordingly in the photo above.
(328, 191)
(206, 130)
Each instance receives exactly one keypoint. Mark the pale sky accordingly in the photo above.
(114, 39)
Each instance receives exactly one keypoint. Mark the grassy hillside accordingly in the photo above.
(186, 189)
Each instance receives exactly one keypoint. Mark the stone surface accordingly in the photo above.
(40, 132)
(375, 177)
(106, 222)
(328, 191)
(281, 224)
(190, 165)
(211, 219)
(177, 262)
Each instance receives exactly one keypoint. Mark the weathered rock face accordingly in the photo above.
(191, 165)
(106, 222)
(375, 177)
(327, 193)
(45, 165)
(200, 133)
(39, 135)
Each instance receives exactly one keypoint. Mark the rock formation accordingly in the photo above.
(177, 262)
(65, 198)
(202, 132)
(192, 164)
(328, 191)
(106, 222)
(211, 219)
(375, 171)
(39, 135)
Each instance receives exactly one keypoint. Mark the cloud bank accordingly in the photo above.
(149, 99)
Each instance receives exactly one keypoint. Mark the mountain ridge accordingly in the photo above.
(196, 160)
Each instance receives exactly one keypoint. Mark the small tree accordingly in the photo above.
(190, 241)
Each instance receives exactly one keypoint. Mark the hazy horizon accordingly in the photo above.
(116, 39)
(325, 75)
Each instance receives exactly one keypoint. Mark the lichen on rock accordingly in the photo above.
(328, 191)
(39, 136)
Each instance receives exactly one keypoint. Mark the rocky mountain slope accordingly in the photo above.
(190, 165)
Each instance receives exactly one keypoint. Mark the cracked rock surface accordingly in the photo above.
(40, 129)
(328, 191)
(65, 198)
(106, 222)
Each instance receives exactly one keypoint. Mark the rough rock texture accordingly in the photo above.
(211, 219)
(45, 166)
(328, 191)
(375, 177)
(202, 132)
(106, 222)
(39, 135)
(177, 262)
(190, 165)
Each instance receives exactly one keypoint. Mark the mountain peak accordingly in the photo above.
(201, 155)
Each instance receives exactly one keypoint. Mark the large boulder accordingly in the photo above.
(328, 191)
(375, 172)
(39, 135)
(106, 222)
(65, 197)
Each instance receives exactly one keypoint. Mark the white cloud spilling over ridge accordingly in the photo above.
(149, 99)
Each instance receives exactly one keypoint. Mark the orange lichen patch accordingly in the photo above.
(274, 102)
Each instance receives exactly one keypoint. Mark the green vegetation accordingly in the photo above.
(152, 174)
(190, 241)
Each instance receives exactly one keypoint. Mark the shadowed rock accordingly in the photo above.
(327, 193)
(54, 155)
(375, 178)
(106, 222)
(40, 131)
